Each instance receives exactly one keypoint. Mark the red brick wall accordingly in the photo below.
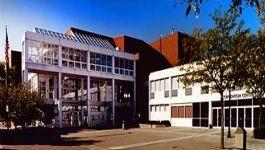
(171, 47)
(168, 46)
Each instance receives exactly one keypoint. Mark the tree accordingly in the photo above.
(210, 53)
(255, 69)
(237, 48)
(25, 105)
(261, 12)
(195, 5)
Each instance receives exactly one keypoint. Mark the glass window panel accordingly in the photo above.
(162, 85)
(98, 68)
(92, 58)
(205, 89)
(121, 71)
(84, 56)
(104, 60)
(117, 62)
(64, 63)
(98, 59)
(152, 86)
(126, 63)
(77, 55)
(71, 54)
(126, 72)
(157, 85)
(121, 63)
(130, 65)
(131, 73)
(84, 66)
(77, 65)
(71, 64)
(104, 69)
(117, 71)
(109, 61)
(166, 84)
(174, 83)
(188, 91)
(109, 70)
(92, 67)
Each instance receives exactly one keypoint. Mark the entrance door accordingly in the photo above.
(214, 117)
(233, 117)
(241, 115)
(248, 118)
(217, 117)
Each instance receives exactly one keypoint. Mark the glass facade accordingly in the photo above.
(74, 58)
(44, 53)
(100, 62)
(101, 90)
(124, 66)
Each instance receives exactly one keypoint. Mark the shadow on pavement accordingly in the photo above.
(41, 136)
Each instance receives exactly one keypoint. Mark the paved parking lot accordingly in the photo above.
(142, 139)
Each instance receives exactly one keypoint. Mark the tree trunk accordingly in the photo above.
(260, 111)
(222, 120)
(229, 109)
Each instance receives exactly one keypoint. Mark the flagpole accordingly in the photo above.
(6, 77)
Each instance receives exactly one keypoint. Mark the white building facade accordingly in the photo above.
(82, 74)
(197, 105)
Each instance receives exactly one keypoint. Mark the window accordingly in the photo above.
(92, 58)
(43, 53)
(121, 63)
(162, 85)
(152, 108)
(157, 108)
(205, 89)
(152, 86)
(174, 86)
(101, 62)
(157, 85)
(117, 62)
(104, 60)
(174, 82)
(167, 84)
(109, 61)
(123, 66)
(98, 59)
(188, 91)
(74, 58)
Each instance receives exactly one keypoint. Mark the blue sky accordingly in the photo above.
(143, 19)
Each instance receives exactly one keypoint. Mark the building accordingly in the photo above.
(83, 75)
(15, 62)
(197, 105)
(149, 61)
(171, 47)
(161, 54)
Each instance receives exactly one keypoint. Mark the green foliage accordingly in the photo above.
(24, 104)
(255, 66)
(238, 5)
(215, 53)
(261, 12)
